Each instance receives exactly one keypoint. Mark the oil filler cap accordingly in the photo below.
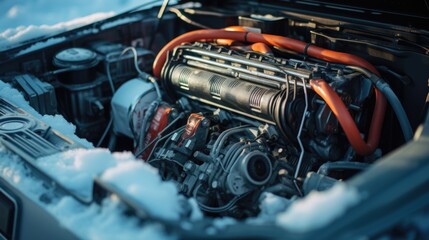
(76, 57)
(76, 65)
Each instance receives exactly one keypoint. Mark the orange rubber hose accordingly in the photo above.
(273, 40)
(260, 48)
(256, 47)
(347, 123)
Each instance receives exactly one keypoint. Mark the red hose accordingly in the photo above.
(273, 40)
(256, 47)
(261, 48)
(230, 42)
(347, 123)
(321, 87)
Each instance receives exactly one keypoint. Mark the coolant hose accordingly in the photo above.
(255, 47)
(261, 48)
(346, 121)
(273, 40)
(323, 89)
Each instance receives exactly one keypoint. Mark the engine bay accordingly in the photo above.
(263, 100)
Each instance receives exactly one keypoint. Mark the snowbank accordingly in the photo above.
(77, 168)
(318, 208)
(22, 20)
(119, 22)
(22, 33)
(142, 182)
(39, 12)
(12, 169)
(106, 221)
(57, 122)
(42, 44)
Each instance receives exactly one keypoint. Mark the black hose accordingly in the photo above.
(341, 165)
(397, 108)
(160, 17)
(393, 100)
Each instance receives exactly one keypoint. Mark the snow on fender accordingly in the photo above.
(142, 183)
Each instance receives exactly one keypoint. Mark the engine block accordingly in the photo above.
(267, 89)
(253, 122)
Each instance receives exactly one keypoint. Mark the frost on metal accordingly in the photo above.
(318, 208)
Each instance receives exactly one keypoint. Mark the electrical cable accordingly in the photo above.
(184, 18)
(145, 126)
(142, 74)
(103, 136)
(159, 139)
(181, 115)
(222, 137)
(112, 88)
(219, 209)
(109, 76)
(160, 17)
(135, 58)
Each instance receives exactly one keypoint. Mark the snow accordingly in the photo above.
(38, 12)
(196, 213)
(106, 221)
(39, 45)
(77, 168)
(57, 122)
(219, 224)
(270, 206)
(318, 209)
(119, 22)
(12, 169)
(142, 182)
(23, 33)
(22, 20)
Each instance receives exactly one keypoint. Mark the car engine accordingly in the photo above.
(231, 112)
(252, 123)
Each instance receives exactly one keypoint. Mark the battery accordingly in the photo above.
(40, 95)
